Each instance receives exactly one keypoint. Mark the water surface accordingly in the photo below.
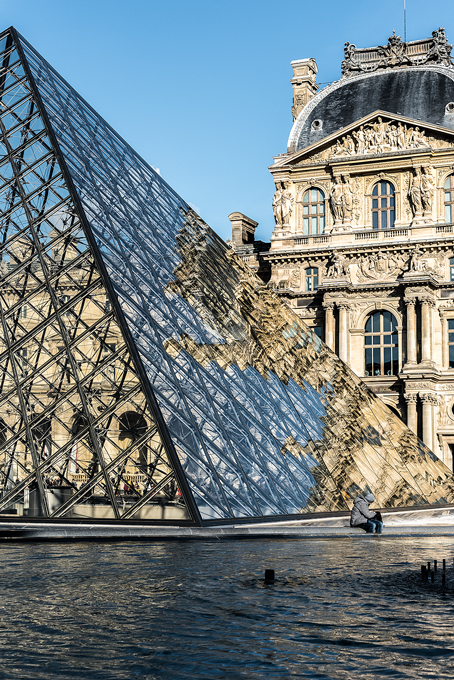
(340, 608)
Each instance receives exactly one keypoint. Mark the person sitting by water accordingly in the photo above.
(363, 517)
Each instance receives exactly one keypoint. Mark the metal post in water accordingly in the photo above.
(269, 576)
(443, 579)
(444, 565)
(435, 565)
(423, 571)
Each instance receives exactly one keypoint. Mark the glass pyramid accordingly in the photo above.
(146, 374)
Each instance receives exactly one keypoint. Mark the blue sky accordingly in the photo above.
(201, 88)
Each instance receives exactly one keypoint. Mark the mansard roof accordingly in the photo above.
(422, 93)
(435, 133)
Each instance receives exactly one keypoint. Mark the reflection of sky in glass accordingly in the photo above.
(248, 445)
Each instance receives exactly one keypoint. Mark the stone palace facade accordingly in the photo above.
(363, 245)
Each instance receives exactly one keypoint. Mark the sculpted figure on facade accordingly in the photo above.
(347, 199)
(416, 263)
(380, 137)
(427, 191)
(380, 265)
(415, 192)
(335, 200)
(282, 205)
(338, 268)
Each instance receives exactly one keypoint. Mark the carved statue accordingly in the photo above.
(338, 267)
(415, 193)
(282, 205)
(416, 264)
(347, 199)
(335, 201)
(427, 191)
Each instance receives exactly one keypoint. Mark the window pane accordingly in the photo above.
(322, 225)
(386, 321)
(315, 282)
(369, 325)
(369, 362)
(376, 339)
(306, 225)
(314, 225)
(375, 190)
(387, 340)
(368, 339)
(384, 221)
(375, 220)
(451, 337)
(314, 195)
(447, 196)
(395, 367)
(450, 323)
(305, 210)
(448, 183)
(448, 213)
(451, 356)
(308, 283)
(375, 203)
(451, 261)
(318, 331)
(383, 202)
(376, 322)
(376, 361)
(314, 209)
(306, 197)
(391, 189)
(387, 361)
(383, 188)
(392, 201)
(391, 218)
(322, 208)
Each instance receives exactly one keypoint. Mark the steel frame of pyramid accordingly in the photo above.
(146, 374)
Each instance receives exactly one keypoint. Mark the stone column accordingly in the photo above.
(412, 416)
(426, 329)
(343, 331)
(427, 425)
(329, 324)
(411, 330)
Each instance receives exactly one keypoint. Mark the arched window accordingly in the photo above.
(449, 199)
(381, 344)
(383, 206)
(311, 278)
(313, 212)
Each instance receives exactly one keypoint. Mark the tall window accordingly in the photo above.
(381, 344)
(313, 212)
(449, 199)
(451, 342)
(383, 206)
(311, 278)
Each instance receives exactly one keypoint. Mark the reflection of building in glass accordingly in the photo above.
(369, 194)
(146, 373)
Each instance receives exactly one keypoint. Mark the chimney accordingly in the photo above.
(243, 228)
(304, 85)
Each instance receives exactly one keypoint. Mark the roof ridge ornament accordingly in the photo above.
(397, 54)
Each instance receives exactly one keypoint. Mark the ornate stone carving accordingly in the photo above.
(411, 398)
(338, 268)
(415, 193)
(436, 50)
(427, 191)
(380, 265)
(282, 204)
(342, 200)
(380, 137)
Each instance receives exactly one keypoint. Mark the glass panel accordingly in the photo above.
(306, 197)
(369, 366)
(384, 188)
(305, 210)
(375, 190)
(448, 183)
(451, 323)
(314, 225)
(384, 220)
(451, 356)
(306, 225)
(322, 225)
(376, 322)
(376, 360)
(448, 213)
(314, 195)
(375, 220)
(386, 321)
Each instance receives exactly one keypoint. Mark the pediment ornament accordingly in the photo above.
(381, 137)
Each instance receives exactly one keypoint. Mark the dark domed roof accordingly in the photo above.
(421, 93)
